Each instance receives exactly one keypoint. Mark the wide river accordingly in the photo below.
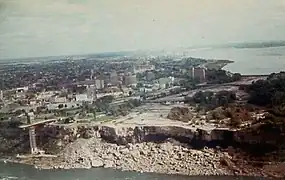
(24, 172)
(247, 61)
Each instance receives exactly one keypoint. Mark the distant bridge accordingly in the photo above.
(32, 133)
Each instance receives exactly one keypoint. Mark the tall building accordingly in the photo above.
(130, 79)
(91, 93)
(99, 83)
(114, 79)
(199, 73)
(1, 95)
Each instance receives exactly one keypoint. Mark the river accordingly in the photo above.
(247, 61)
(24, 172)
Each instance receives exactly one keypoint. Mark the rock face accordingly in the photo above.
(54, 138)
(180, 114)
(142, 157)
(137, 148)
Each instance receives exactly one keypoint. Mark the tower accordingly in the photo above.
(1, 95)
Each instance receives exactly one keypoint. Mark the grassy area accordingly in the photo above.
(104, 118)
(3, 116)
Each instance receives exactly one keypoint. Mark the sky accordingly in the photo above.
(33, 28)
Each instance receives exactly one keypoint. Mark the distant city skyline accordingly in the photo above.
(38, 28)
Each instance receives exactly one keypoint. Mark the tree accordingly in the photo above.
(130, 93)
(139, 85)
(60, 106)
(269, 92)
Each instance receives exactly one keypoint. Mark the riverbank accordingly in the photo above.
(169, 157)
(24, 172)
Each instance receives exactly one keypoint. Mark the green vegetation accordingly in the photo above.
(189, 62)
(209, 100)
(269, 93)
(221, 76)
(236, 115)
(123, 109)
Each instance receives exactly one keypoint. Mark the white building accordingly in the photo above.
(99, 83)
(82, 97)
(60, 99)
(22, 89)
(163, 81)
(1, 95)
(91, 93)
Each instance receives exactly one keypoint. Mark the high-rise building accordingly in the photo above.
(91, 93)
(114, 79)
(199, 73)
(1, 95)
(99, 83)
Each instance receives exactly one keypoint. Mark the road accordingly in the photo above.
(234, 86)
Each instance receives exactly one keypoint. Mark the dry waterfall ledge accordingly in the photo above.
(143, 148)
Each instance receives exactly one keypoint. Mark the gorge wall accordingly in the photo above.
(52, 138)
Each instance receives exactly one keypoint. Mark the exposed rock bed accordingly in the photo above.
(142, 157)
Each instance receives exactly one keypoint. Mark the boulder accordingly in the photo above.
(108, 164)
(97, 163)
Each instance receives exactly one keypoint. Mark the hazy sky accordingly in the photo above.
(58, 27)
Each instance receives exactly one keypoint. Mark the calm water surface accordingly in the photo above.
(23, 172)
(247, 61)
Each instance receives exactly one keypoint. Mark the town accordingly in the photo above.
(64, 88)
(124, 101)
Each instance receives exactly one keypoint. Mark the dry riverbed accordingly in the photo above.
(167, 158)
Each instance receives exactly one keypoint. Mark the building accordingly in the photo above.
(58, 99)
(1, 95)
(114, 79)
(150, 76)
(199, 73)
(22, 89)
(99, 83)
(130, 79)
(162, 82)
(91, 93)
(146, 66)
